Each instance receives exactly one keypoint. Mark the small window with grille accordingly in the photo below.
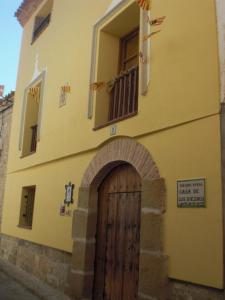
(42, 20)
(27, 207)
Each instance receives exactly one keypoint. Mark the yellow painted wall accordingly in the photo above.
(193, 237)
(109, 49)
(184, 81)
(178, 121)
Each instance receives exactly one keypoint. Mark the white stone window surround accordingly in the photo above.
(220, 8)
(144, 69)
(39, 79)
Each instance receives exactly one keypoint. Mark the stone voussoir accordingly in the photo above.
(116, 150)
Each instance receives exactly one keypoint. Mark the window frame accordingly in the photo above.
(39, 79)
(38, 30)
(26, 222)
(39, 26)
(123, 46)
(144, 70)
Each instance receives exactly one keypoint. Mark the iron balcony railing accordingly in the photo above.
(124, 95)
(33, 144)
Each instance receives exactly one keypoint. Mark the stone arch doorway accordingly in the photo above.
(152, 275)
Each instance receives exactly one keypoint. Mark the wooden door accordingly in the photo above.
(124, 94)
(129, 50)
(118, 236)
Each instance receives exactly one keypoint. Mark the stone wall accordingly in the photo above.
(47, 264)
(187, 291)
(5, 125)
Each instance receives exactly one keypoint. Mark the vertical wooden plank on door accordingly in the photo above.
(110, 263)
(120, 245)
(131, 255)
(100, 246)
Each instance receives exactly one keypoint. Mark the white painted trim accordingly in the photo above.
(96, 27)
(220, 8)
(22, 119)
(112, 5)
(40, 78)
(144, 73)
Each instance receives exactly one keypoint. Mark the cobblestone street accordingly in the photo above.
(12, 290)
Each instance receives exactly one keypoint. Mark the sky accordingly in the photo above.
(11, 34)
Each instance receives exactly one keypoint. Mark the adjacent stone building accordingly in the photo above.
(6, 108)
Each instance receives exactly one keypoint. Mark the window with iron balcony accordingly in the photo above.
(118, 68)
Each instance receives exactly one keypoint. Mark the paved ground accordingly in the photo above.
(16, 284)
(12, 290)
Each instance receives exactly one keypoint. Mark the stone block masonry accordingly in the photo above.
(179, 290)
(6, 107)
(47, 264)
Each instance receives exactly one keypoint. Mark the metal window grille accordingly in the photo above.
(40, 26)
(33, 144)
(27, 206)
(124, 95)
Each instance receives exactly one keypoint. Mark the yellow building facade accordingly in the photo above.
(169, 132)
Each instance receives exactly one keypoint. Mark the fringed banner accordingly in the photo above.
(97, 86)
(157, 21)
(146, 37)
(34, 92)
(144, 4)
(66, 89)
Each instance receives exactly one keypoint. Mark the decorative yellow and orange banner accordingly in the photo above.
(35, 92)
(97, 86)
(146, 37)
(144, 4)
(66, 89)
(156, 22)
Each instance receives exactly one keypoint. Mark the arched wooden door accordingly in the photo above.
(118, 236)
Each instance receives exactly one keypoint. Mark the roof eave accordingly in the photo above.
(26, 10)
